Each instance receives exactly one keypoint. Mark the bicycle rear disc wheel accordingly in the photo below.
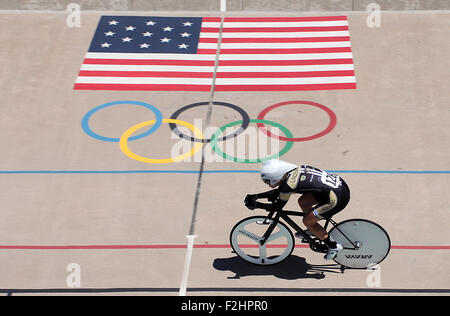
(365, 243)
(245, 240)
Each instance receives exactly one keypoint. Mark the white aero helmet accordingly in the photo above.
(272, 171)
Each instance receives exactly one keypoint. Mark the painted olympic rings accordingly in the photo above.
(87, 117)
(329, 128)
(126, 150)
(198, 137)
(245, 121)
(284, 150)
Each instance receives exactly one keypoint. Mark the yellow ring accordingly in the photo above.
(126, 150)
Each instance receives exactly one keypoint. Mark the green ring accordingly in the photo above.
(284, 150)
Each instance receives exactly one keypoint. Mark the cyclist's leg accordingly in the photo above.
(325, 207)
(307, 201)
(343, 197)
(311, 221)
(337, 202)
(328, 207)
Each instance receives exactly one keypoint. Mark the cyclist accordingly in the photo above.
(322, 195)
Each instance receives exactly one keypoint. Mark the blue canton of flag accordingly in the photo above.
(139, 34)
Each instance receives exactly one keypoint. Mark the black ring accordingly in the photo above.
(244, 115)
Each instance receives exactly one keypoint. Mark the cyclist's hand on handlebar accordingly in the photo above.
(250, 206)
(250, 201)
(250, 198)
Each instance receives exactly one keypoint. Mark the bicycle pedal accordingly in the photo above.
(318, 246)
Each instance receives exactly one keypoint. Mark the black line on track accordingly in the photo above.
(10, 292)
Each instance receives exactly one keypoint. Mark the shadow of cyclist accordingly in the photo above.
(292, 268)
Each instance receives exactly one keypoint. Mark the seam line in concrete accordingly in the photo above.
(191, 236)
(208, 121)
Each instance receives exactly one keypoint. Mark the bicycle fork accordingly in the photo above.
(273, 224)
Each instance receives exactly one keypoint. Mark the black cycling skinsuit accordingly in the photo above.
(329, 190)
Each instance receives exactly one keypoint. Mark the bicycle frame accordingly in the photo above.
(284, 214)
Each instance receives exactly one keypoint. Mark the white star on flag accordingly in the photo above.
(185, 34)
(150, 23)
(144, 45)
(188, 23)
(168, 28)
(109, 33)
(130, 28)
(165, 40)
(105, 45)
(147, 34)
(113, 22)
(183, 46)
(127, 39)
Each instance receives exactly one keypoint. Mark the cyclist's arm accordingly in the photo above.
(279, 197)
(283, 197)
(271, 195)
(251, 199)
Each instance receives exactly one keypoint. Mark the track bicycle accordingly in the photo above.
(266, 240)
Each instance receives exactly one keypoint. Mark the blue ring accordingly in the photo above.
(87, 117)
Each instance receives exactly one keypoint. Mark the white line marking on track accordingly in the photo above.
(223, 5)
(187, 264)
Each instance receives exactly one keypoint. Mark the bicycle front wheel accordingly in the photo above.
(245, 240)
(365, 243)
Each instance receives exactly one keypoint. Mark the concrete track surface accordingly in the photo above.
(67, 198)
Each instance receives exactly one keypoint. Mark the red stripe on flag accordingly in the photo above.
(208, 40)
(286, 19)
(142, 87)
(301, 74)
(285, 62)
(279, 29)
(211, 19)
(282, 50)
(207, 51)
(303, 87)
(167, 62)
(284, 40)
(147, 74)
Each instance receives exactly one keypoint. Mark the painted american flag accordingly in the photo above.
(233, 54)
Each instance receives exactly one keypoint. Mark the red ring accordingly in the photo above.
(329, 128)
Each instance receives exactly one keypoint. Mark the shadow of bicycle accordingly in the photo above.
(292, 268)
